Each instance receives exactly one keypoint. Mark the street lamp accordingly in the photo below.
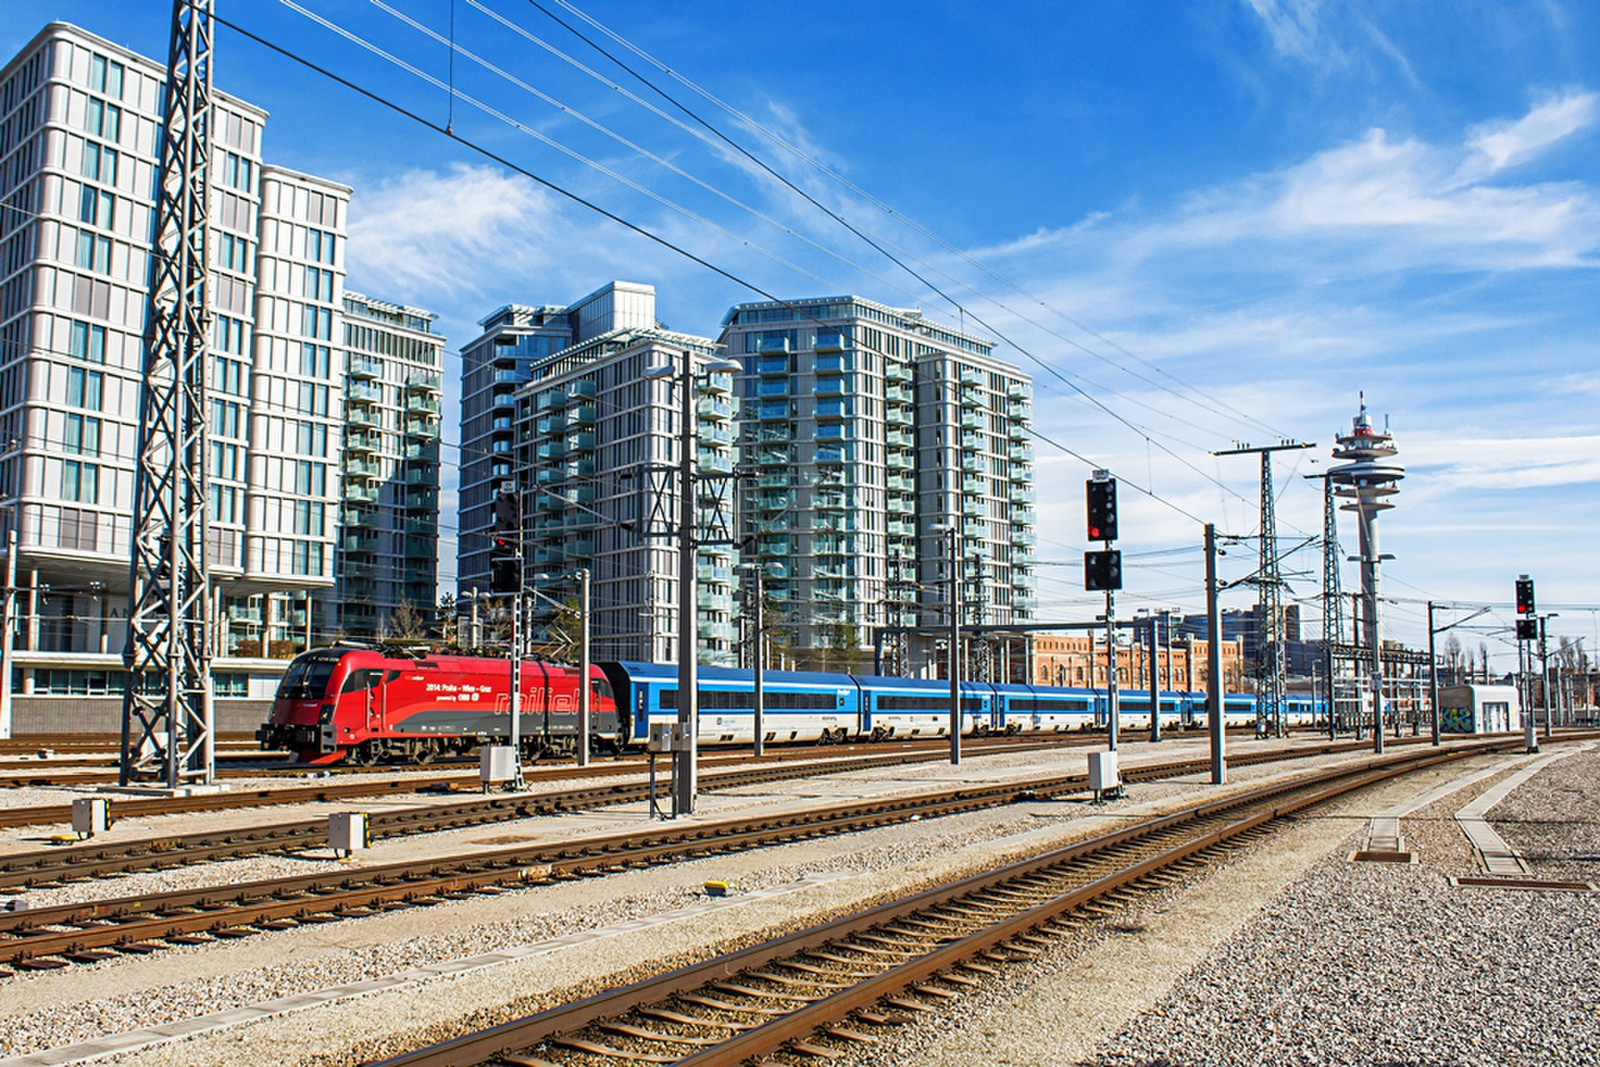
(954, 531)
(685, 764)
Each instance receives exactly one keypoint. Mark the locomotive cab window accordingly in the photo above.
(599, 689)
(307, 679)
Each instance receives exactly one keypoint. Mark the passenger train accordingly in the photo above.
(362, 706)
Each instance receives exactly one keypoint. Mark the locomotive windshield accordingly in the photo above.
(307, 679)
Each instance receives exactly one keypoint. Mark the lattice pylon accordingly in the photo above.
(167, 720)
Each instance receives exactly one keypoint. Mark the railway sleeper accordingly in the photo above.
(629, 1030)
(702, 1001)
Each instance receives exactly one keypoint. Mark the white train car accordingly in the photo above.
(1479, 709)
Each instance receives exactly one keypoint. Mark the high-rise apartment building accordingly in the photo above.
(79, 136)
(869, 432)
(493, 367)
(556, 403)
(389, 468)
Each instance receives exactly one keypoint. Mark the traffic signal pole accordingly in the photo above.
(1214, 687)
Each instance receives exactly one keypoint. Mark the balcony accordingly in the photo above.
(900, 505)
(1021, 494)
(714, 463)
(549, 556)
(503, 401)
(428, 477)
(971, 398)
(716, 408)
(362, 441)
(551, 451)
(1021, 535)
(900, 438)
(902, 528)
(717, 435)
(832, 456)
(975, 530)
(974, 483)
(357, 517)
(897, 394)
(772, 409)
(830, 341)
(973, 376)
(974, 420)
(549, 476)
(901, 483)
(1023, 516)
(580, 494)
(580, 442)
(831, 409)
(773, 457)
(1021, 453)
(582, 389)
(1019, 411)
(427, 527)
(426, 381)
(896, 372)
(423, 402)
(772, 501)
(360, 492)
(899, 461)
(832, 386)
(772, 546)
(1019, 391)
(579, 550)
(1020, 472)
(766, 345)
(423, 501)
(364, 544)
(581, 521)
(974, 508)
(582, 415)
(579, 468)
(362, 417)
(550, 424)
(422, 427)
(709, 572)
(974, 464)
(771, 365)
(361, 365)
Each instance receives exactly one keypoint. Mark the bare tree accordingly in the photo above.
(1483, 659)
(1452, 658)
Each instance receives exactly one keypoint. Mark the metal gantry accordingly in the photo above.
(167, 721)
(1270, 678)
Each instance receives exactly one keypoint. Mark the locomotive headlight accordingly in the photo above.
(325, 715)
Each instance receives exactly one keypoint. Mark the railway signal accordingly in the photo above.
(1101, 495)
(1525, 595)
(505, 544)
(1102, 570)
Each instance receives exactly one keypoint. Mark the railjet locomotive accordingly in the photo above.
(362, 706)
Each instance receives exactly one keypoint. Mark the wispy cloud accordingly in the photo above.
(1292, 24)
(1506, 144)
(1458, 463)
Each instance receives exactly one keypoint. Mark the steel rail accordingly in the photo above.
(42, 867)
(766, 1038)
(133, 923)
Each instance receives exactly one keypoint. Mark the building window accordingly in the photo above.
(103, 120)
(313, 439)
(80, 482)
(319, 246)
(314, 361)
(97, 208)
(94, 252)
(81, 435)
(99, 164)
(230, 336)
(224, 503)
(307, 558)
(318, 284)
(313, 398)
(105, 77)
(310, 479)
(83, 388)
(88, 342)
(317, 322)
(238, 172)
(308, 517)
(233, 253)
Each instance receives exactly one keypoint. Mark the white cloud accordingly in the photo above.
(1456, 463)
(1506, 144)
(445, 236)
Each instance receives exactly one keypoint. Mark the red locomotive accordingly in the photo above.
(365, 706)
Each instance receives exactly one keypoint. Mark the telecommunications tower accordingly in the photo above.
(1366, 478)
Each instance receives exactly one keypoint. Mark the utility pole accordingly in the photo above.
(167, 705)
(1270, 691)
(8, 626)
(585, 711)
(1214, 688)
(1433, 675)
(1155, 685)
(1103, 570)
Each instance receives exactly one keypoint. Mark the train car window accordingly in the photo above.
(392, 676)
(724, 700)
(307, 679)
(1048, 704)
(360, 680)
(931, 702)
(600, 688)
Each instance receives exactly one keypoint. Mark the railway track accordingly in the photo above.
(73, 863)
(414, 780)
(52, 937)
(813, 995)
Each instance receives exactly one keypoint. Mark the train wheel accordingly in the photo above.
(364, 755)
(426, 751)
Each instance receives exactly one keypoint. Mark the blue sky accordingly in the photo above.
(1220, 220)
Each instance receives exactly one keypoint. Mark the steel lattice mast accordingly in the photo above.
(167, 723)
(1269, 580)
